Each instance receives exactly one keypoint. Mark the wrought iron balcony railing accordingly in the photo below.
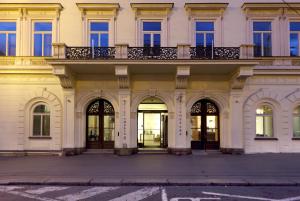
(123, 51)
(90, 53)
(161, 53)
(222, 53)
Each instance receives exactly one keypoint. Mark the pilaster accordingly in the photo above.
(123, 144)
(181, 137)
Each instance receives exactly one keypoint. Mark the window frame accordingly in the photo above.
(33, 32)
(6, 36)
(204, 32)
(89, 31)
(289, 37)
(265, 115)
(262, 38)
(293, 116)
(33, 114)
(152, 33)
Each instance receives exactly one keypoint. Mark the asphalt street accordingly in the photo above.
(147, 193)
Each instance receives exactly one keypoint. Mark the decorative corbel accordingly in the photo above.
(65, 76)
(182, 75)
(122, 75)
(239, 78)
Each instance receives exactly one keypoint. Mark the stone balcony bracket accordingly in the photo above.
(182, 75)
(238, 79)
(66, 77)
(121, 72)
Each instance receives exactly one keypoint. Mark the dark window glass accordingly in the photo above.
(267, 44)
(43, 26)
(257, 44)
(104, 40)
(36, 125)
(204, 26)
(262, 26)
(99, 26)
(11, 44)
(147, 40)
(38, 41)
(209, 39)
(294, 26)
(200, 40)
(7, 26)
(156, 41)
(94, 40)
(46, 125)
(2, 44)
(151, 26)
(47, 44)
(294, 44)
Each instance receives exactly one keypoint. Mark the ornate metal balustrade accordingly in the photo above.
(222, 53)
(160, 53)
(90, 53)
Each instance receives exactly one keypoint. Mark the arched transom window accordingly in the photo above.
(296, 122)
(264, 121)
(41, 120)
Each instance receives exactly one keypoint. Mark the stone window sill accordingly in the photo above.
(296, 138)
(40, 137)
(266, 138)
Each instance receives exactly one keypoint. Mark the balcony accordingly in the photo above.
(124, 52)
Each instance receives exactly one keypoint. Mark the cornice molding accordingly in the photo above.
(205, 9)
(30, 9)
(270, 9)
(154, 9)
(99, 9)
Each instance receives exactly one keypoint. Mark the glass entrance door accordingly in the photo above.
(100, 125)
(152, 129)
(205, 125)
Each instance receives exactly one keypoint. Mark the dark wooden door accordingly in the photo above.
(205, 125)
(100, 125)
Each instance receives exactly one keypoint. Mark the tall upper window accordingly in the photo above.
(294, 38)
(264, 121)
(41, 121)
(7, 39)
(99, 34)
(152, 34)
(42, 38)
(296, 122)
(262, 39)
(204, 34)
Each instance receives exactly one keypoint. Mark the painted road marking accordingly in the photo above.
(46, 190)
(238, 196)
(138, 195)
(291, 199)
(86, 193)
(164, 195)
(193, 199)
(9, 188)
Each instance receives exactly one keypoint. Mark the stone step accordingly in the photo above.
(152, 151)
(99, 151)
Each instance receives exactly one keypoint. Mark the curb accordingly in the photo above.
(163, 182)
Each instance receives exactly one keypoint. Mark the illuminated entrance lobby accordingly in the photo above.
(152, 124)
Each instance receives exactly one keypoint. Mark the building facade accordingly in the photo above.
(177, 75)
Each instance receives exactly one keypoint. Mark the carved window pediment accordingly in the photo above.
(271, 9)
(99, 9)
(152, 9)
(205, 9)
(14, 10)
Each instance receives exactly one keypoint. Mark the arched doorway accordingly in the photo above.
(205, 125)
(152, 124)
(100, 118)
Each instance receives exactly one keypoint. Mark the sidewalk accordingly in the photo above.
(107, 169)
